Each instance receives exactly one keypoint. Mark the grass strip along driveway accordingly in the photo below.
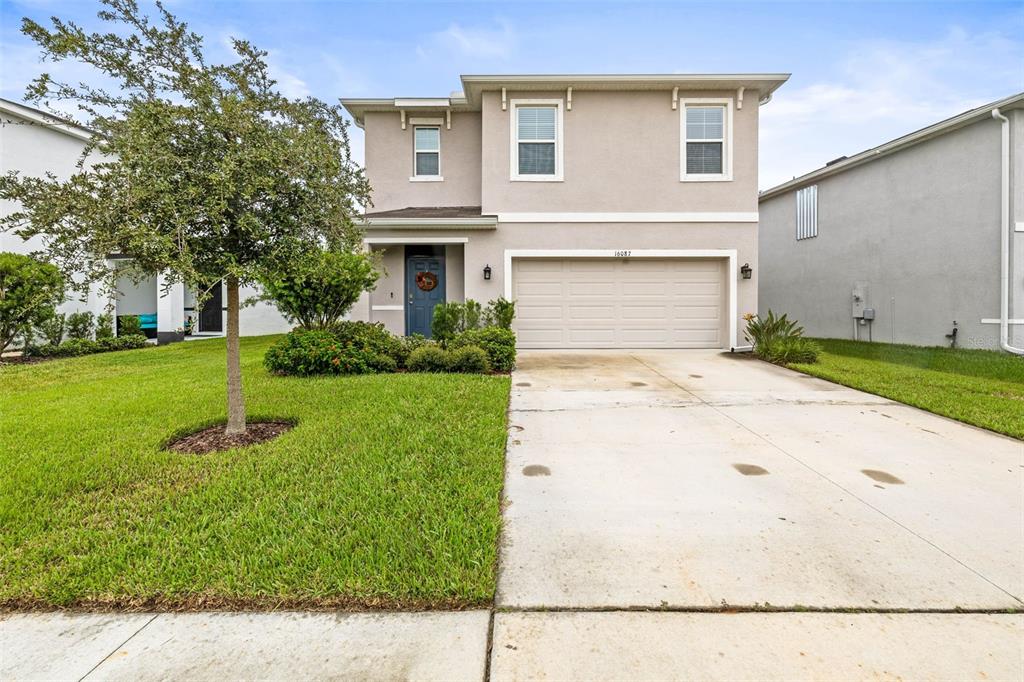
(979, 387)
(385, 494)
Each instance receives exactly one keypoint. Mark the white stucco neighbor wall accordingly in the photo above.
(34, 150)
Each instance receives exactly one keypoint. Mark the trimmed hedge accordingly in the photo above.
(363, 348)
(497, 342)
(76, 347)
(429, 359)
(305, 352)
(469, 360)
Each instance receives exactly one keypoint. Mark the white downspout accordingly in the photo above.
(1004, 229)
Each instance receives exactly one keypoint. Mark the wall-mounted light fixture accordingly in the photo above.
(487, 272)
(746, 271)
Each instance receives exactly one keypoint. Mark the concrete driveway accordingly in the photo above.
(694, 481)
(701, 479)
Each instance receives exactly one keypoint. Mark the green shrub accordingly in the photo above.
(369, 336)
(304, 352)
(429, 358)
(787, 350)
(105, 326)
(498, 343)
(76, 347)
(500, 313)
(407, 344)
(125, 342)
(317, 290)
(29, 292)
(52, 328)
(129, 325)
(448, 321)
(771, 328)
(469, 359)
(80, 325)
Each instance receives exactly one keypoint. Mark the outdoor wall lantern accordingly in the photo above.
(487, 272)
(746, 271)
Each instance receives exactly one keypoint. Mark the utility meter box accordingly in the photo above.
(868, 314)
(860, 299)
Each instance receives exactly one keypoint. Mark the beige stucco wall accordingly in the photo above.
(389, 163)
(488, 248)
(621, 153)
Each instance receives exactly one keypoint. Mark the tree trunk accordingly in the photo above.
(236, 401)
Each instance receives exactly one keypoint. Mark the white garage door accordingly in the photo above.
(619, 303)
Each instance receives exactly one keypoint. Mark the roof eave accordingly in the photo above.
(45, 119)
(935, 130)
(481, 223)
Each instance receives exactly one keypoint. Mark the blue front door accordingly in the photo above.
(424, 287)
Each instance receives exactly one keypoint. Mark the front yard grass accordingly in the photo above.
(979, 387)
(385, 494)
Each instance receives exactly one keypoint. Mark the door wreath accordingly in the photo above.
(426, 281)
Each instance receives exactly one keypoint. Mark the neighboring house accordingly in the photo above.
(35, 143)
(617, 211)
(924, 234)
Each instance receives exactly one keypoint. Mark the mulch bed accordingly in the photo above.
(22, 360)
(213, 439)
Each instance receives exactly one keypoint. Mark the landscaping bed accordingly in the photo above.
(385, 494)
(979, 387)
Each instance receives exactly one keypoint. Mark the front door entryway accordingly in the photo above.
(211, 318)
(424, 287)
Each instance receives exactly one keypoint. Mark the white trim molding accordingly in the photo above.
(996, 320)
(631, 217)
(729, 254)
(485, 223)
(426, 178)
(387, 307)
(727, 141)
(513, 150)
(415, 240)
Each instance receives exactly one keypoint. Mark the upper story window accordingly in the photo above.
(536, 140)
(427, 143)
(807, 212)
(706, 140)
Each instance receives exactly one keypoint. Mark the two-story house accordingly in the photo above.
(615, 210)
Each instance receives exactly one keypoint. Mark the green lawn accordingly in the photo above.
(984, 388)
(386, 493)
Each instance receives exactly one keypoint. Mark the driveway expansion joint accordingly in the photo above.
(119, 647)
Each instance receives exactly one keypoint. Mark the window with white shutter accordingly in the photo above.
(807, 212)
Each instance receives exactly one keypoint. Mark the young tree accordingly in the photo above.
(316, 290)
(29, 292)
(205, 171)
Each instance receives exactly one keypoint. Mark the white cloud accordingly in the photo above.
(882, 90)
(476, 41)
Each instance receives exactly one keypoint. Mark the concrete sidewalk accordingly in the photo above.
(237, 646)
(526, 646)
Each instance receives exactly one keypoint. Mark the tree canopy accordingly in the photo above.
(203, 171)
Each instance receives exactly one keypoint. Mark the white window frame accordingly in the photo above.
(807, 213)
(513, 128)
(727, 144)
(426, 178)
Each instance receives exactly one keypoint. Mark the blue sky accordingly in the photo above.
(863, 73)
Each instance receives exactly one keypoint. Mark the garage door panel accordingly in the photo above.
(608, 303)
(540, 288)
(591, 288)
(591, 312)
(540, 312)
